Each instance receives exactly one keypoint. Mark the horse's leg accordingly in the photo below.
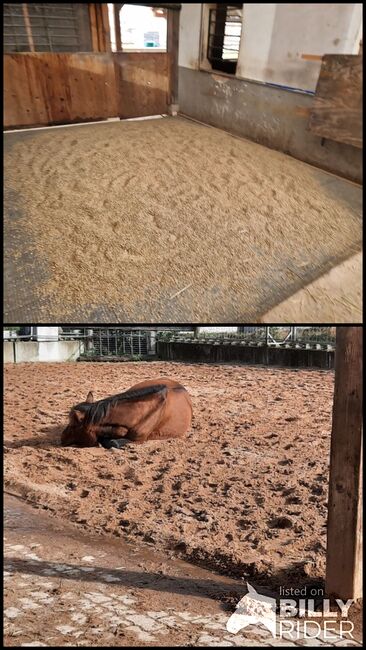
(117, 443)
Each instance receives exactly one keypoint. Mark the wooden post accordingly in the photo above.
(104, 27)
(117, 26)
(93, 27)
(99, 27)
(172, 48)
(344, 535)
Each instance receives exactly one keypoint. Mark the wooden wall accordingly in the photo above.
(337, 110)
(47, 88)
(142, 80)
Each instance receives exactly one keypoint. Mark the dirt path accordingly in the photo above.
(67, 589)
(245, 493)
(62, 588)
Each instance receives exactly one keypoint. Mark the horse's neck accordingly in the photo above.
(116, 414)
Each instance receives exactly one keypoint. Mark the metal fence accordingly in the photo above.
(116, 342)
(263, 335)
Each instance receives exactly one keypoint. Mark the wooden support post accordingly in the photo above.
(117, 26)
(99, 27)
(93, 27)
(104, 27)
(344, 538)
(172, 48)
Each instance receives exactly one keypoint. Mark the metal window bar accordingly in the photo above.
(222, 36)
(55, 27)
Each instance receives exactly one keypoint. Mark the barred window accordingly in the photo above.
(225, 27)
(46, 27)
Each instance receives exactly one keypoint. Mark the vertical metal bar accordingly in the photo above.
(28, 26)
(100, 341)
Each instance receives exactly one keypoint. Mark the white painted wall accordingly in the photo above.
(276, 36)
(34, 351)
(47, 333)
(189, 35)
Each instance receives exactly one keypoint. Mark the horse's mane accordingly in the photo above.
(97, 411)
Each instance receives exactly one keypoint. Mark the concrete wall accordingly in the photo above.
(275, 40)
(223, 353)
(270, 116)
(34, 351)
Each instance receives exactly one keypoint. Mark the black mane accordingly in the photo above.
(97, 411)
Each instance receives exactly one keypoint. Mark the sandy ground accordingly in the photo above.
(169, 220)
(245, 493)
(334, 297)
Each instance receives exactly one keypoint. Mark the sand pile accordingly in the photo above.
(245, 493)
(128, 214)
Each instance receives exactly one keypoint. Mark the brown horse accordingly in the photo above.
(151, 410)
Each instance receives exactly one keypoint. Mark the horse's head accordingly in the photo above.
(79, 432)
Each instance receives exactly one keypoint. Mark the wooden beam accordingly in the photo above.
(172, 48)
(106, 32)
(99, 27)
(93, 27)
(117, 26)
(344, 535)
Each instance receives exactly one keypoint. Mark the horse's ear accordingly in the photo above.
(90, 397)
(79, 415)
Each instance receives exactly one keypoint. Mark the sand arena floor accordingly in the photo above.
(245, 493)
(165, 221)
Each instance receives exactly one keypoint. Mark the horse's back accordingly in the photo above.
(161, 381)
(177, 417)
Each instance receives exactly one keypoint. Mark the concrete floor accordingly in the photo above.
(286, 301)
(335, 297)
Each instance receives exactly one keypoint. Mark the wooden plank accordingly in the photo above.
(344, 543)
(47, 88)
(172, 47)
(143, 83)
(93, 27)
(105, 28)
(337, 110)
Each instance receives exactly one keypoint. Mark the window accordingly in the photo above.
(138, 28)
(225, 24)
(46, 27)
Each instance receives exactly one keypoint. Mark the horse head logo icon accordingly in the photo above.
(253, 609)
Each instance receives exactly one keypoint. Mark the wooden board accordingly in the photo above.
(142, 80)
(337, 109)
(48, 88)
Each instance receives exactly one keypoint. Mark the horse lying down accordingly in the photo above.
(151, 410)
